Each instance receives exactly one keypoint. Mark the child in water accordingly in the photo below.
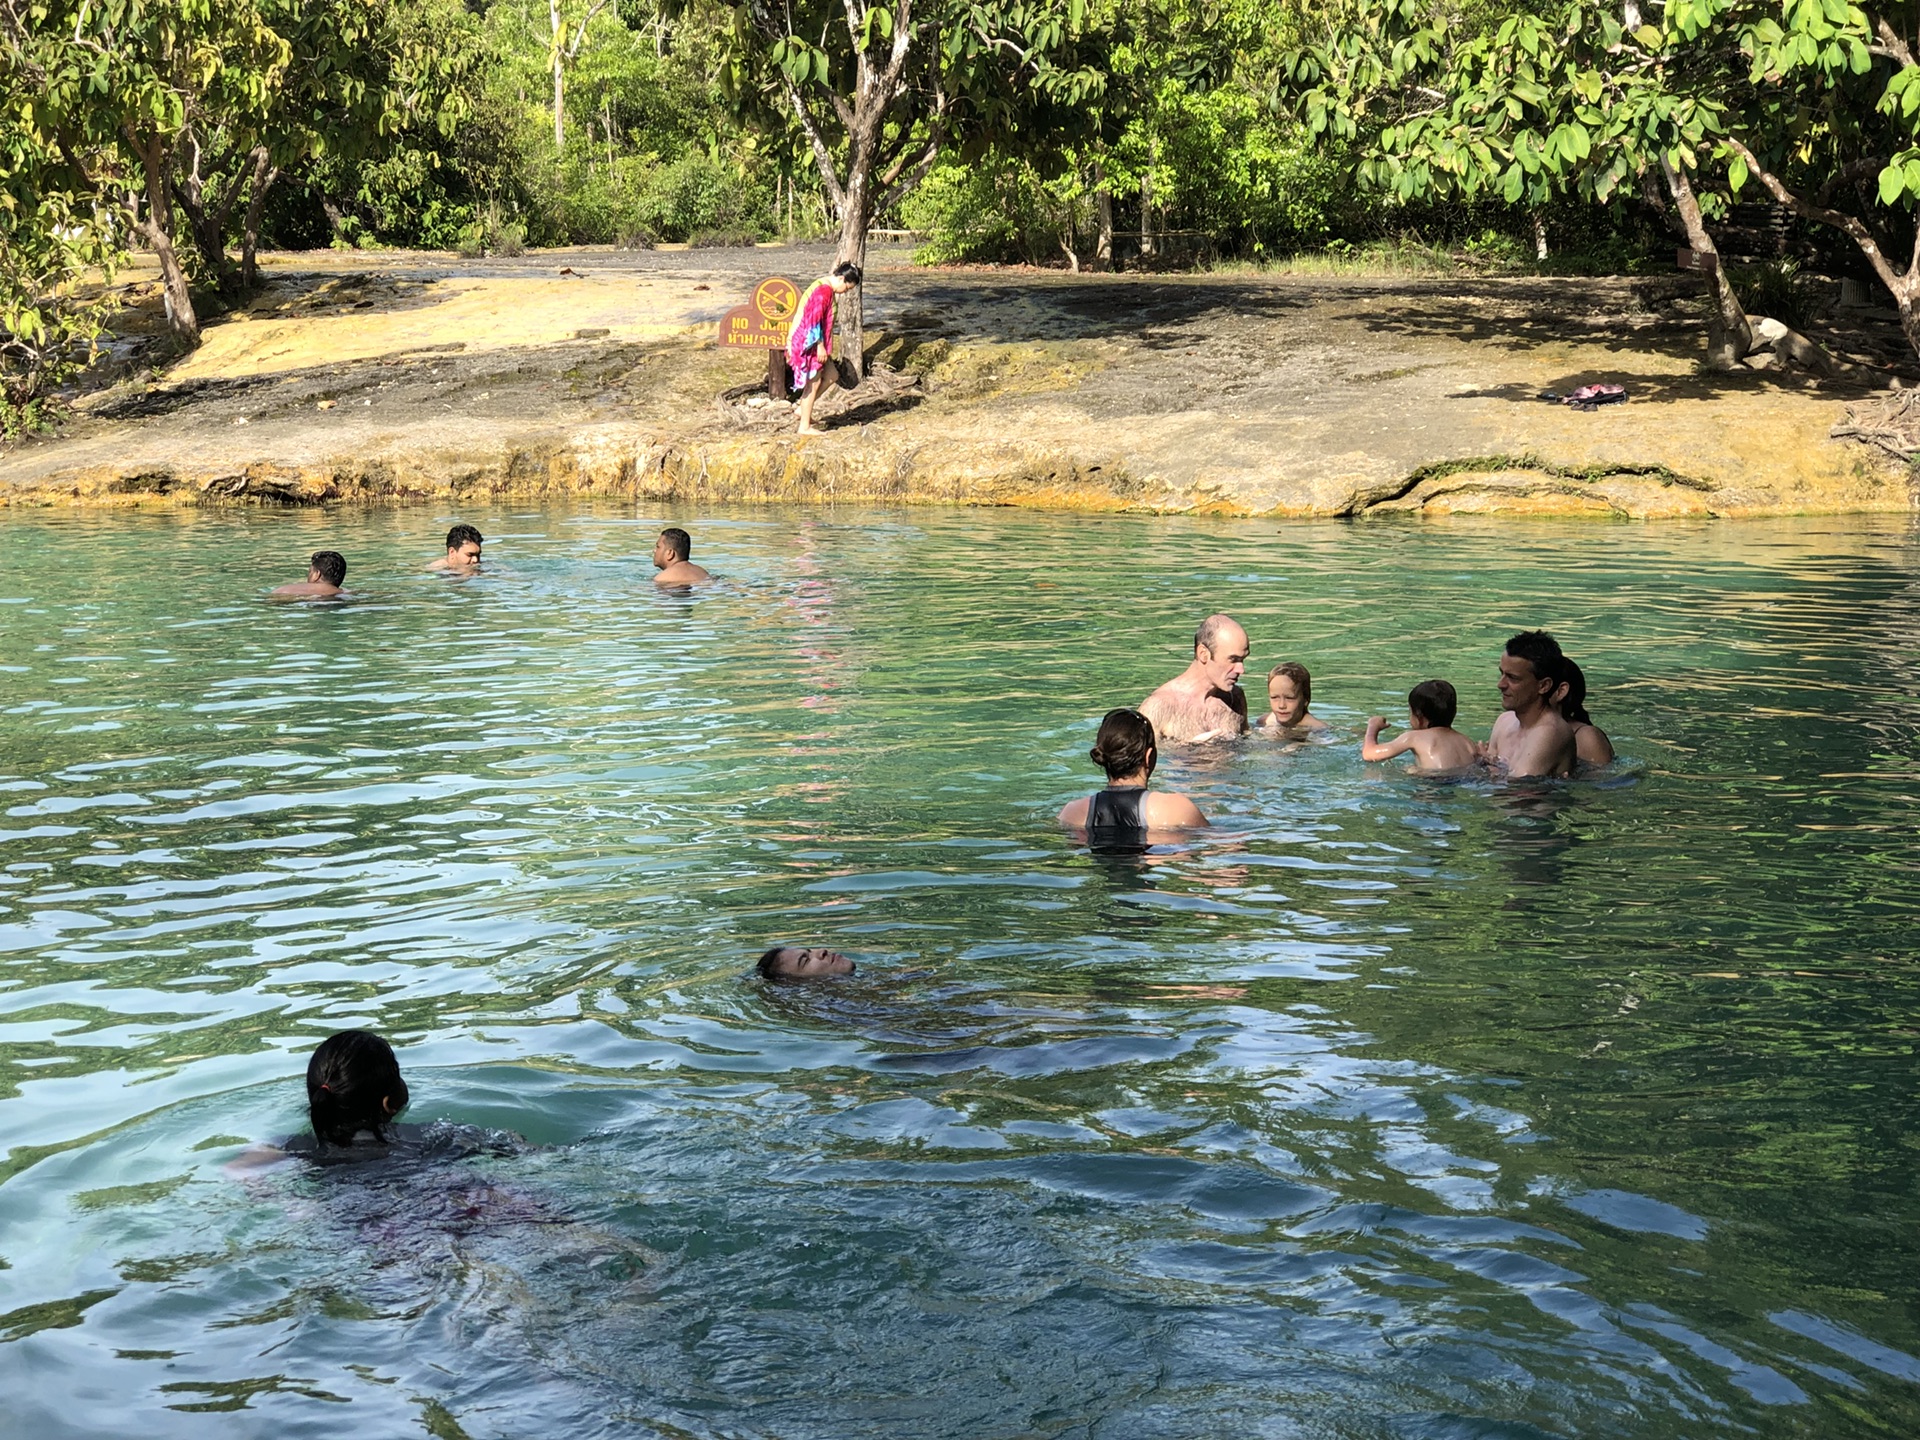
(1289, 692)
(1429, 736)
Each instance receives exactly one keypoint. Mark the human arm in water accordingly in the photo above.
(1372, 748)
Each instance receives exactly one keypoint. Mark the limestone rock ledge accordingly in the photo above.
(620, 460)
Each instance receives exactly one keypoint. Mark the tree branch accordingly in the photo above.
(856, 21)
(768, 26)
(898, 184)
(580, 34)
(902, 41)
(1896, 48)
(1820, 215)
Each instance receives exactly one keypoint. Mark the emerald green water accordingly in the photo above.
(1392, 1108)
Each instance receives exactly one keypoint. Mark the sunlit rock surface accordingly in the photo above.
(398, 377)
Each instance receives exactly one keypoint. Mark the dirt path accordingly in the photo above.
(390, 376)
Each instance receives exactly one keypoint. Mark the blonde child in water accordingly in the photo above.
(1289, 692)
(1430, 737)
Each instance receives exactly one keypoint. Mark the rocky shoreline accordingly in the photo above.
(384, 380)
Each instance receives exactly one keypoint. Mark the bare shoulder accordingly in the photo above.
(1172, 812)
(1074, 813)
(682, 572)
(1592, 745)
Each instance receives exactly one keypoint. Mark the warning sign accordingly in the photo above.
(761, 323)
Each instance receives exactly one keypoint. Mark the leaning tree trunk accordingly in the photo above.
(1903, 285)
(1729, 333)
(264, 174)
(156, 228)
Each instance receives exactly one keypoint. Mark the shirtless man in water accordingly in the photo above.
(1204, 701)
(463, 551)
(1531, 737)
(670, 554)
(326, 574)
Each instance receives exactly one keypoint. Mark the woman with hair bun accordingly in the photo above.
(1126, 815)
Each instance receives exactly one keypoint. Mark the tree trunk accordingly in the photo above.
(1539, 237)
(1146, 215)
(1729, 334)
(559, 96)
(207, 224)
(264, 174)
(157, 230)
(1103, 205)
(850, 308)
(856, 216)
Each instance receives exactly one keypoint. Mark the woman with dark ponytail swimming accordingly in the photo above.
(1126, 815)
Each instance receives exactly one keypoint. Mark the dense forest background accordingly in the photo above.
(1081, 133)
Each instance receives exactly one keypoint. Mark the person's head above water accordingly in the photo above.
(673, 546)
(1433, 703)
(1289, 692)
(845, 275)
(463, 547)
(353, 1084)
(327, 567)
(1220, 651)
(1125, 745)
(801, 962)
(1529, 670)
(1570, 692)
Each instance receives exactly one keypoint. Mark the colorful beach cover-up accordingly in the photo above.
(812, 328)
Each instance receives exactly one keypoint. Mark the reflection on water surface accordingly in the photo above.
(1391, 1108)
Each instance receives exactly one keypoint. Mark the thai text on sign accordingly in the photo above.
(762, 323)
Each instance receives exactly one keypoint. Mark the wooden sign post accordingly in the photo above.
(762, 324)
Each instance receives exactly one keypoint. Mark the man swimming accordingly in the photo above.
(1531, 737)
(1204, 701)
(326, 574)
(670, 554)
(801, 962)
(463, 550)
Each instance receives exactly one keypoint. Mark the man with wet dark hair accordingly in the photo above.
(463, 550)
(1531, 737)
(801, 962)
(670, 554)
(1204, 701)
(326, 574)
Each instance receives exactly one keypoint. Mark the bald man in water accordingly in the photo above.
(1204, 701)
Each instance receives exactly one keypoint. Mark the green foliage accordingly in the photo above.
(1816, 101)
(51, 316)
(1777, 289)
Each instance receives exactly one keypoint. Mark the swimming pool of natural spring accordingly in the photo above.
(1391, 1108)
